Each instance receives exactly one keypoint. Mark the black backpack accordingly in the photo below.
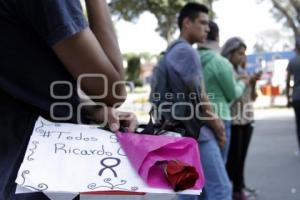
(165, 118)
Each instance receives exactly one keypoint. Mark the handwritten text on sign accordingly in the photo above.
(78, 158)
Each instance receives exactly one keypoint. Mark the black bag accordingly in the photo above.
(166, 119)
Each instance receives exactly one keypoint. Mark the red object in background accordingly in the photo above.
(180, 175)
(269, 90)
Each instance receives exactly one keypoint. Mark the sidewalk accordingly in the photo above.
(265, 101)
(271, 165)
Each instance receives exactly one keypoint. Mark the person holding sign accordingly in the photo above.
(48, 53)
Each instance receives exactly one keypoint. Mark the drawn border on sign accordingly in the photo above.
(43, 124)
(40, 187)
(93, 186)
(32, 150)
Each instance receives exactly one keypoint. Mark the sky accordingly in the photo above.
(243, 18)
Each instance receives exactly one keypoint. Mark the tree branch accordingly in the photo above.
(289, 18)
(296, 5)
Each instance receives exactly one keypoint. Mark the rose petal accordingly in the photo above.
(186, 181)
(173, 167)
(180, 175)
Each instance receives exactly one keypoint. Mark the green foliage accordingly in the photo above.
(165, 11)
(147, 56)
(143, 55)
(133, 70)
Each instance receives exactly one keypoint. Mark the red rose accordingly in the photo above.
(180, 175)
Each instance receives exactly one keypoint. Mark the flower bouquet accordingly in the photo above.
(164, 161)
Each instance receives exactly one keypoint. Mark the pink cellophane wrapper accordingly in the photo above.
(143, 151)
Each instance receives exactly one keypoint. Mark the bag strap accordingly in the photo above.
(150, 128)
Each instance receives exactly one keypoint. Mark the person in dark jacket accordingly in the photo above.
(293, 97)
(48, 51)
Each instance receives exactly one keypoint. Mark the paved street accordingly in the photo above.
(272, 166)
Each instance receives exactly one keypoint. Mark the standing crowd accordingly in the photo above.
(226, 91)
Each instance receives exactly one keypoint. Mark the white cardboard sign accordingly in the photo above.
(68, 159)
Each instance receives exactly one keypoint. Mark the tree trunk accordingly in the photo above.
(169, 37)
(169, 31)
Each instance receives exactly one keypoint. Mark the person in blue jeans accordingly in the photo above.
(184, 66)
(220, 82)
(217, 183)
